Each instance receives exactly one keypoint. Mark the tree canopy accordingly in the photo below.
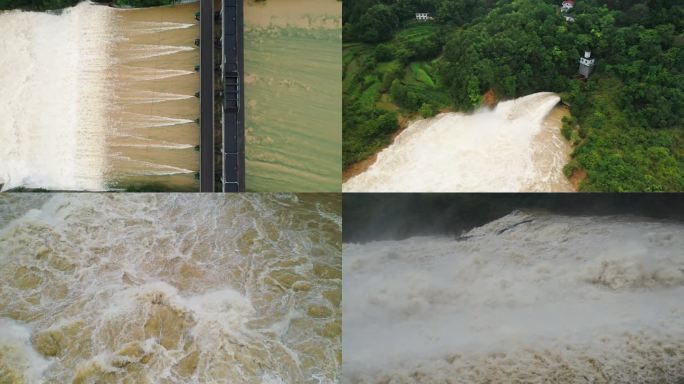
(628, 117)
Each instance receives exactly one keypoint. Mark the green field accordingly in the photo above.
(380, 85)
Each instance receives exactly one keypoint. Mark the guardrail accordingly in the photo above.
(232, 71)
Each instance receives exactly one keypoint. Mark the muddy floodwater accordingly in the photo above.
(293, 91)
(170, 288)
(98, 98)
(531, 297)
(515, 147)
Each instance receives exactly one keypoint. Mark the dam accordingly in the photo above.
(100, 98)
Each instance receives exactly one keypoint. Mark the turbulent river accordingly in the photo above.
(170, 288)
(95, 98)
(516, 147)
(293, 92)
(530, 297)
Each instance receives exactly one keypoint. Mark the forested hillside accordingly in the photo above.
(627, 124)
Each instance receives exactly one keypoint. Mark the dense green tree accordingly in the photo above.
(628, 117)
(377, 24)
(427, 110)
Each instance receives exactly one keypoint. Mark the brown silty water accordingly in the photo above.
(551, 152)
(154, 109)
(170, 288)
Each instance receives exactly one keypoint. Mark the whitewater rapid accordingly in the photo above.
(53, 99)
(170, 288)
(533, 298)
(507, 149)
(97, 98)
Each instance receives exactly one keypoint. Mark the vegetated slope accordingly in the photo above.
(628, 121)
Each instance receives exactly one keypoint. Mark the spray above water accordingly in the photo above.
(171, 288)
(54, 78)
(19, 361)
(506, 149)
(77, 85)
(526, 298)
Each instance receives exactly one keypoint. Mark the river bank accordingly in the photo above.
(363, 165)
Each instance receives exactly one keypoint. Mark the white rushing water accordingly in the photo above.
(487, 151)
(54, 93)
(16, 350)
(84, 89)
(169, 288)
(528, 298)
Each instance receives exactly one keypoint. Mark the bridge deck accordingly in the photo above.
(233, 96)
(233, 108)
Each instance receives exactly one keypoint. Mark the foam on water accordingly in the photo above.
(143, 142)
(138, 120)
(147, 27)
(146, 51)
(175, 288)
(52, 99)
(146, 74)
(142, 168)
(146, 97)
(77, 82)
(19, 362)
(488, 151)
(528, 298)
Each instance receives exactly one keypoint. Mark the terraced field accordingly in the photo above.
(379, 80)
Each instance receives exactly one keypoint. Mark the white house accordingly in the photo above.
(567, 5)
(423, 16)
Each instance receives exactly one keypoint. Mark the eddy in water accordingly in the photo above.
(517, 147)
(98, 98)
(170, 288)
(527, 298)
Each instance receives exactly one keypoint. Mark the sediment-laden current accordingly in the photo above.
(516, 147)
(170, 288)
(96, 98)
(528, 298)
(293, 93)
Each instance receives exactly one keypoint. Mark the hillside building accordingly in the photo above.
(567, 5)
(423, 16)
(586, 64)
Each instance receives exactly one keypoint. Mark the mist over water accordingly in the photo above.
(170, 288)
(508, 149)
(397, 216)
(95, 97)
(529, 297)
